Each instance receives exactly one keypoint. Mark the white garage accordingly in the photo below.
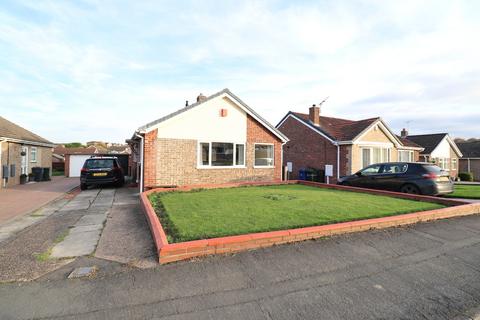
(76, 162)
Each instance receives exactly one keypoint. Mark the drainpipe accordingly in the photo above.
(1, 164)
(338, 161)
(141, 159)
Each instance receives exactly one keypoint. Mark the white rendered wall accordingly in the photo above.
(442, 150)
(204, 123)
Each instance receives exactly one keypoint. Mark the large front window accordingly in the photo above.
(372, 155)
(405, 156)
(221, 154)
(264, 155)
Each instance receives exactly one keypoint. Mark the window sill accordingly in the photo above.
(221, 167)
(263, 167)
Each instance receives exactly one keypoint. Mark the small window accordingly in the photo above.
(264, 155)
(33, 154)
(454, 163)
(240, 154)
(205, 153)
(371, 170)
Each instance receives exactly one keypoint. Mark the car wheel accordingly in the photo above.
(410, 188)
(83, 186)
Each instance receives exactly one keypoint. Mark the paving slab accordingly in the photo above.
(90, 219)
(76, 244)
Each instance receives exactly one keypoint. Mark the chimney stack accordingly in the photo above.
(404, 133)
(314, 114)
(201, 98)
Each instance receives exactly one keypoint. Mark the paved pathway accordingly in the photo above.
(23, 199)
(83, 236)
(427, 271)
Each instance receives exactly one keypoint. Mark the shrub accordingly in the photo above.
(465, 176)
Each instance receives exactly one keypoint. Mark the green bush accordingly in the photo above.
(465, 176)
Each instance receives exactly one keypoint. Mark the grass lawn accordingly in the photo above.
(465, 191)
(214, 213)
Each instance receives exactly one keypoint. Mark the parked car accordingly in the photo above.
(100, 171)
(409, 177)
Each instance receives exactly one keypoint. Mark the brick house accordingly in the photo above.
(347, 145)
(470, 160)
(218, 139)
(439, 148)
(20, 151)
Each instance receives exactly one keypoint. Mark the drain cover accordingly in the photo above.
(82, 272)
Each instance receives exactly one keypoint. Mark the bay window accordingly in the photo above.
(263, 155)
(221, 154)
(372, 155)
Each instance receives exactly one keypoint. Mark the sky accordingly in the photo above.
(98, 70)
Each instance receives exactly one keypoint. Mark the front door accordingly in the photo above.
(24, 160)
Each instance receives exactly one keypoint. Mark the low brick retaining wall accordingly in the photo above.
(169, 252)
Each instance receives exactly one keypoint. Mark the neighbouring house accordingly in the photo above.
(20, 151)
(439, 148)
(347, 145)
(218, 139)
(470, 160)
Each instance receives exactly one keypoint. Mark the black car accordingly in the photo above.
(409, 177)
(101, 170)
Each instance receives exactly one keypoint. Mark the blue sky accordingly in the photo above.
(97, 70)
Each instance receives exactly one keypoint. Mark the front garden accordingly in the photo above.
(204, 214)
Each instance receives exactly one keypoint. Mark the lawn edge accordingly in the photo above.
(170, 252)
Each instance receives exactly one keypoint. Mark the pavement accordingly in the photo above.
(23, 199)
(425, 271)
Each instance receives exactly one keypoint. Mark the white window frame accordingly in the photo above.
(200, 165)
(454, 167)
(389, 154)
(273, 158)
(32, 159)
(411, 155)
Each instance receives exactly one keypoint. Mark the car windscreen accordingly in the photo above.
(99, 163)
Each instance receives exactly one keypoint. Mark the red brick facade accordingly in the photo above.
(173, 162)
(307, 148)
(150, 158)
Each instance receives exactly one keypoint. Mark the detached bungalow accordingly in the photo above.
(347, 145)
(218, 139)
(20, 151)
(439, 148)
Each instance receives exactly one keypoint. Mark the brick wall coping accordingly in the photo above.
(169, 252)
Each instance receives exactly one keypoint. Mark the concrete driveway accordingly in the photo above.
(22, 199)
(426, 271)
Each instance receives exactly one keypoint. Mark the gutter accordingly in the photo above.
(33, 143)
(142, 139)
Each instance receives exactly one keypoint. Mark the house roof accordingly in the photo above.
(470, 149)
(428, 141)
(11, 130)
(408, 143)
(336, 128)
(224, 91)
(80, 150)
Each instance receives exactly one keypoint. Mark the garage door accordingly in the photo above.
(76, 164)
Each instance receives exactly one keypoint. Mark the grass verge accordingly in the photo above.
(465, 191)
(203, 214)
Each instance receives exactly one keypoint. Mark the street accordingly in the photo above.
(427, 271)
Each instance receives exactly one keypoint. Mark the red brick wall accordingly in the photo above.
(256, 133)
(150, 159)
(307, 148)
